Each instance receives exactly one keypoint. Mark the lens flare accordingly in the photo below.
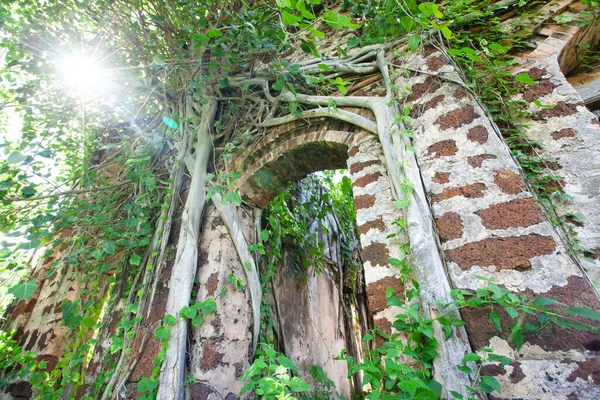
(83, 73)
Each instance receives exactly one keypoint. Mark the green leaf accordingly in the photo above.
(232, 198)
(286, 362)
(495, 318)
(517, 336)
(162, 333)
(525, 78)
(413, 42)
(30, 245)
(15, 157)
(301, 6)
(410, 386)
(265, 235)
(316, 33)
(24, 290)
(299, 385)
(197, 321)
(583, 312)
(28, 191)
(208, 306)
(147, 385)
(338, 21)
(169, 320)
(545, 301)
(290, 19)
(188, 312)
(512, 312)
(470, 357)
(135, 260)
(214, 32)
(501, 359)
(464, 369)
(488, 384)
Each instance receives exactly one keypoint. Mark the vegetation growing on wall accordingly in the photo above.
(93, 180)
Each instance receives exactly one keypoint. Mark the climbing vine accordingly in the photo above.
(92, 186)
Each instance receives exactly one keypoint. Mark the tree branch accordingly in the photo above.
(342, 115)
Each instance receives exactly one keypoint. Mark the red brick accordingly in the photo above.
(509, 182)
(512, 214)
(504, 253)
(457, 118)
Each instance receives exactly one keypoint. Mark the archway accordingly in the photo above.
(285, 155)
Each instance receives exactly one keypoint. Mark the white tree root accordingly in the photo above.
(230, 218)
(186, 261)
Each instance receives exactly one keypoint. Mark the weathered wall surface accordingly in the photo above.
(568, 132)
(221, 348)
(313, 322)
(491, 226)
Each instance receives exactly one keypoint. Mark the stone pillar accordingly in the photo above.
(491, 226)
(375, 216)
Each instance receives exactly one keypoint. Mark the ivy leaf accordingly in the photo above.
(162, 333)
(188, 312)
(135, 260)
(169, 320)
(24, 290)
(525, 78)
(116, 344)
(197, 321)
(208, 306)
(147, 385)
(15, 157)
(265, 235)
(583, 312)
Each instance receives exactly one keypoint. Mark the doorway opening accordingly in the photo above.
(313, 273)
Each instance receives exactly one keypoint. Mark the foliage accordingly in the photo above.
(15, 361)
(271, 377)
(91, 179)
(401, 366)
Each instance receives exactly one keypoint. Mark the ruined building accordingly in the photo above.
(470, 212)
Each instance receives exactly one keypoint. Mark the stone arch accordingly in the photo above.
(294, 150)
